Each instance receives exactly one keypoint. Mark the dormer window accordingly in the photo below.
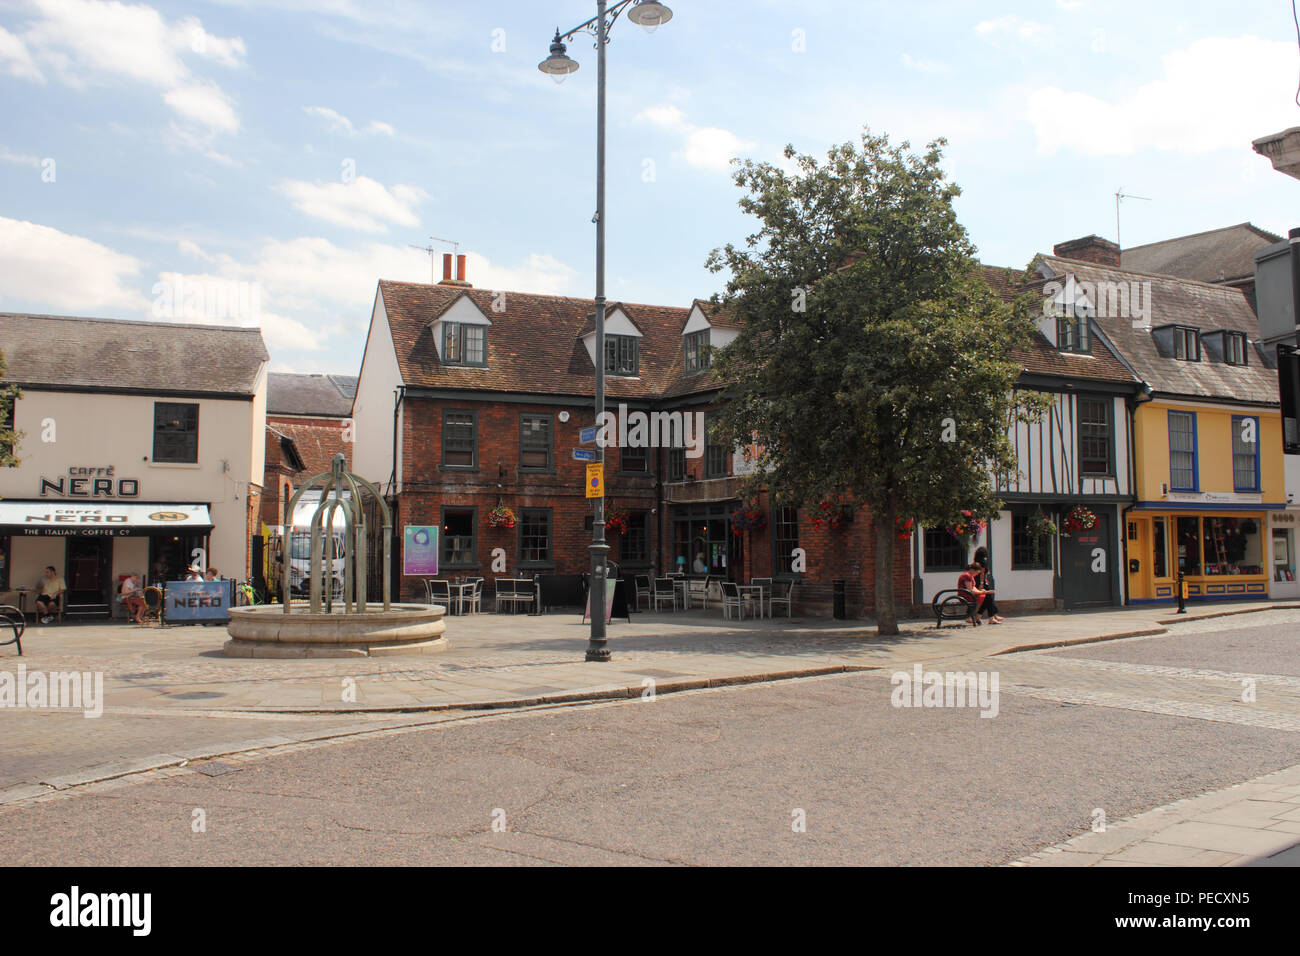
(464, 344)
(697, 351)
(1187, 344)
(620, 355)
(1234, 348)
(1072, 333)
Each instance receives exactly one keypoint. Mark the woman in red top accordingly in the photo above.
(968, 587)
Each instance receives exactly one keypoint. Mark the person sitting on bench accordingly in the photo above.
(49, 594)
(968, 587)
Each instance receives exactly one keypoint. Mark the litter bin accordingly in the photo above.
(837, 600)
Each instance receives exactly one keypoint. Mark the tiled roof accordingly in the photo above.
(1219, 255)
(1201, 305)
(74, 352)
(1042, 358)
(534, 345)
(326, 396)
(316, 444)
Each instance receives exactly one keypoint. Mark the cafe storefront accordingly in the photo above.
(1224, 552)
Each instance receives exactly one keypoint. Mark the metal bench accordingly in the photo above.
(950, 605)
(11, 617)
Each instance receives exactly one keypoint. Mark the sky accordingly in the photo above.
(266, 162)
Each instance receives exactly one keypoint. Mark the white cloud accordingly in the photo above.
(704, 147)
(84, 41)
(361, 204)
(338, 123)
(1011, 27)
(16, 60)
(18, 159)
(924, 66)
(44, 268)
(1219, 93)
(539, 273)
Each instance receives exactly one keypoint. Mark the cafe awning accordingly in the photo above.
(66, 518)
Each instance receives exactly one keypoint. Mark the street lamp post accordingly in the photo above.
(649, 14)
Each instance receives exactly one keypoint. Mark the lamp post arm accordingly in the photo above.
(611, 14)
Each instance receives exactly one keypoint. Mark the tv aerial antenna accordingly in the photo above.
(1119, 196)
(433, 251)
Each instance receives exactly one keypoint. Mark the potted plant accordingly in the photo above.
(1038, 527)
(904, 528)
(502, 516)
(967, 526)
(616, 521)
(747, 518)
(1079, 518)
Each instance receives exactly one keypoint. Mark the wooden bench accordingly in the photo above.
(950, 606)
(11, 617)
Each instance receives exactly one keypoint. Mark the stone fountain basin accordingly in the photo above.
(267, 632)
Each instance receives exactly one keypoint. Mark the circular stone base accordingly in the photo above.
(267, 632)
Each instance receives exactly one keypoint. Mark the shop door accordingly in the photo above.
(88, 571)
(1088, 566)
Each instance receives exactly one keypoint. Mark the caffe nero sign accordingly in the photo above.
(90, 482)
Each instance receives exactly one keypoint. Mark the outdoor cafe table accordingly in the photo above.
(461, 593)
(749, 592)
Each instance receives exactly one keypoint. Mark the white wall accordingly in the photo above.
(372, 411)
(1047, 452)
(1011, 585)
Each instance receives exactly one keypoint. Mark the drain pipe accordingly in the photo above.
(1130, 403)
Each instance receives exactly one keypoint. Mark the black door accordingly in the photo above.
(1088, 566)
(88, 572)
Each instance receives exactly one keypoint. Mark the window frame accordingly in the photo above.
(549, 560)
(1019, 562)
(695, 346)
(473, 416)
(642, 557)
(1181, 338)
(623, 462)
(1231, 342)
(1236, 433)
(444, 559)
(462, 344)
(615, 368)
(954, 541)
(783, 518)
(550, 442)
(1109, 407)
(676, 464)
(709, 446)
(1194, 451)
(157, 413)
(1074, 327)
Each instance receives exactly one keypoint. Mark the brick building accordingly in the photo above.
(469, 399)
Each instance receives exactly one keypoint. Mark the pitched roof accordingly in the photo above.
(1043, 358)
(1219, 255)
(316, 444)
(1201, 305)
(326, 396)
(534, 345)
(75, 352)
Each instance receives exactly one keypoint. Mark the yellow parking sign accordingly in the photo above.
(596, 480)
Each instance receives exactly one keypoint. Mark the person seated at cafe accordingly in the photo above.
(213, 575)
(132, 599)
(700, 567)
(195, 573)
(968, 588)
(49, 594)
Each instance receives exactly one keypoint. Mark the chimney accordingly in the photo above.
(460, 272)
(460, 269)
(446, 267)
(1094, 249)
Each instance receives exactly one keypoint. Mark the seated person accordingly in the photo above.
(968, 587)
(700, 567)
(132, 598)
(212, 575)
(49, 594)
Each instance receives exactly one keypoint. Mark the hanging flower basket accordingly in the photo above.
(1079, 519)
(502, 517)
(832, 515)
(1040, 526)
(747, 518)
(968, 527)
(617, 521)
(904, 528)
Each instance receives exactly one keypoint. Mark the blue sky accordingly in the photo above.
(287, 154)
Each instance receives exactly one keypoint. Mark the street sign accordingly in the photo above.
(587, 435)
(596, 480)
(586, 454)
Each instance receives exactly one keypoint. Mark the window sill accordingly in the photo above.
(465, 469)
(193, 465)
(537, 471)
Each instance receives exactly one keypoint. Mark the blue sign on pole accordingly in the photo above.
(199, 602)
(587, 436)
(586, 454)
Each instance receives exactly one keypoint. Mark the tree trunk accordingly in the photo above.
(885, 521)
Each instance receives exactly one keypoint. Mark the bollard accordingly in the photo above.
(837, 600)
(1182, 593)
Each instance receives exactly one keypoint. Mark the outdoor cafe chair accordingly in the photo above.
(153, 605)
(440, 593)
(476, 596)
(642, 584)
(782, 593)
(731, 599)
(505, 593)
(665, 590)
(765, 595)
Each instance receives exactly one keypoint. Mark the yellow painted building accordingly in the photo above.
(1208, 476)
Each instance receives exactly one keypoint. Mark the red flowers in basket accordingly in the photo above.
(832, 515)
(501, 517)
(1079, 519)
(747, 518)
(617, 521)
(904, 528)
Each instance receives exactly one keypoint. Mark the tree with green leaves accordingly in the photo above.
(9, 437)
(874, 364)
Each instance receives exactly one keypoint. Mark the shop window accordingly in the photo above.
(634, 544)
(1189, 545)
(175, 432)
(1232, 546)
(785, 539)
(535, 444)
(1245, 454)
(1027, 554)
(458, 530)
(4, 562)
(1159, 549)
(535, 537)
(459, 439)
(1283, 569)
(944, 551)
